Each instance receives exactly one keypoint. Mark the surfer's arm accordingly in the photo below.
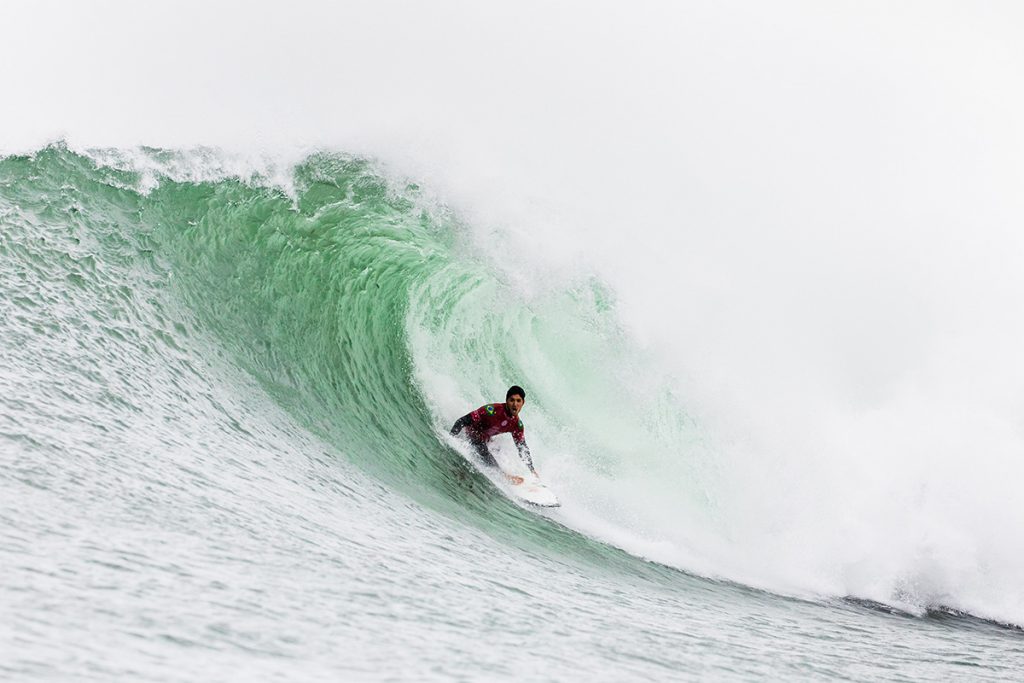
(524, 454)
(462, 423)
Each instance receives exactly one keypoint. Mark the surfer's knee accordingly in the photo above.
(484, 452)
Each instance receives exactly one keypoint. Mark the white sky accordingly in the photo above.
(792, 179)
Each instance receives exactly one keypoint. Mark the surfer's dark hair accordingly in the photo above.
(514, 390)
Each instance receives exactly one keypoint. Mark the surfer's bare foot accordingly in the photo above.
(514, 479)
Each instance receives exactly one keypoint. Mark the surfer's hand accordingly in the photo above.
(516, 480)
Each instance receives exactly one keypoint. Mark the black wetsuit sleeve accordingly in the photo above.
(524, 454)
(462, 423)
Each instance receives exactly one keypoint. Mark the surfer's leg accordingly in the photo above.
(484, 453)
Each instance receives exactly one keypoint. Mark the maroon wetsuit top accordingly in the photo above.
(493, 419)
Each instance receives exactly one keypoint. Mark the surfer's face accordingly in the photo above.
(514, 403)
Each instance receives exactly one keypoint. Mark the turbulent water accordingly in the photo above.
(223, 455)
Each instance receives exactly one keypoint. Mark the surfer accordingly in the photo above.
(493, 419)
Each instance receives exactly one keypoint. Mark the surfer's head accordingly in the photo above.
(515, 397)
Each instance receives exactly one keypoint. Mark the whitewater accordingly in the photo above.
(760, 283)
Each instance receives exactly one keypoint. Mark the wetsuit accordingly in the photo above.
(491, 420)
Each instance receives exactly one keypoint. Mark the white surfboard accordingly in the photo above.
(534, 492)
(530, 488)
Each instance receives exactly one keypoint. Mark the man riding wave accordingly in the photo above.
(493, 419)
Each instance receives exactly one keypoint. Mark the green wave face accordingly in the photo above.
(310, 293)
(307, 292)
(369, 315)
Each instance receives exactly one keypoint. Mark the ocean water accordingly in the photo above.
(756, 264)
(224, 398)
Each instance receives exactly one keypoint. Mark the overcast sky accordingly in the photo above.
(804, 175)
